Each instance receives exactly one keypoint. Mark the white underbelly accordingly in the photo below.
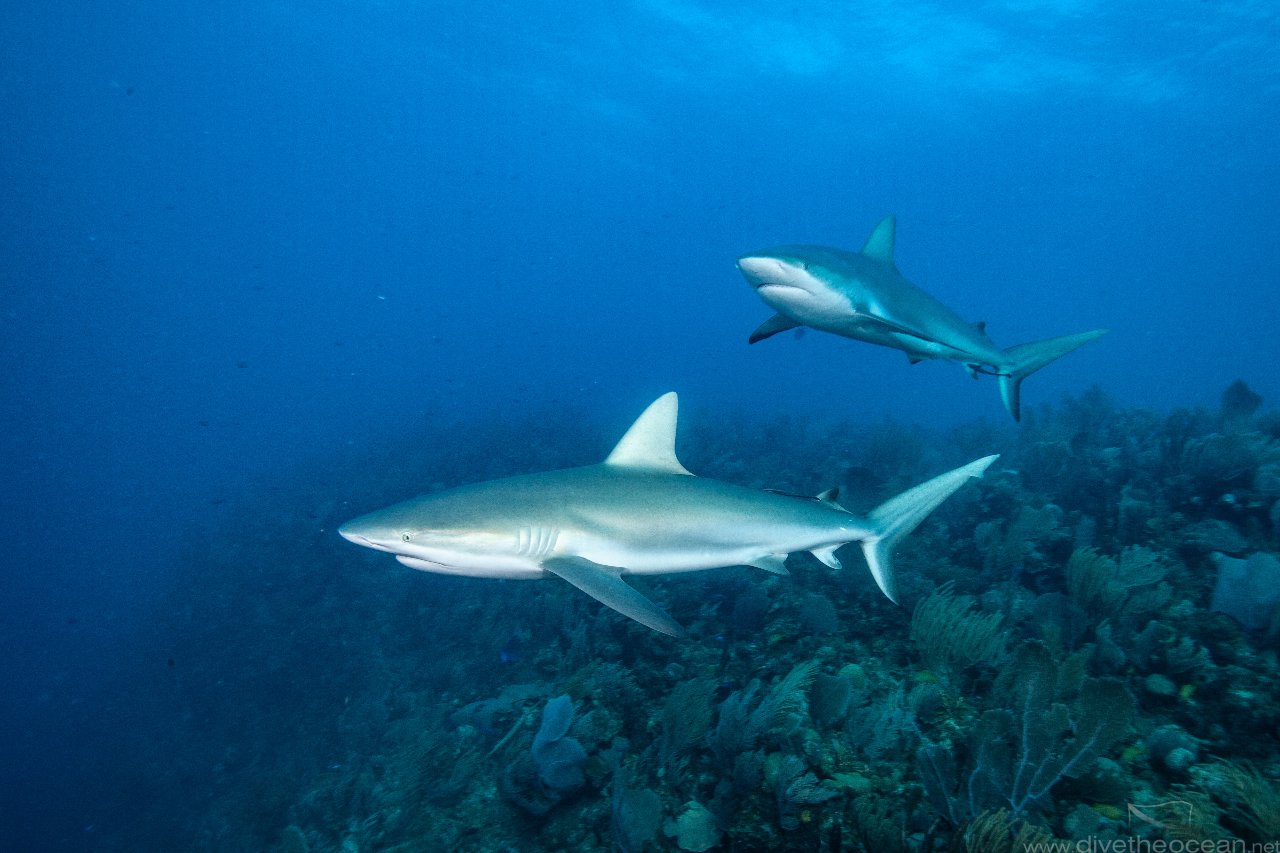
(667, 560)
(497, 569)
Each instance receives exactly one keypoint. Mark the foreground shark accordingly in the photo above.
(638, 512)
(864, 297)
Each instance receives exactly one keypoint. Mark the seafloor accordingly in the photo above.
(1086, 651)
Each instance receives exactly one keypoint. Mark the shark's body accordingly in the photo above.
(638, 512)
(863, 296)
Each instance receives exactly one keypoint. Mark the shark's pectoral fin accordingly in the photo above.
(891, 325)
(775, 324)
(605, 584)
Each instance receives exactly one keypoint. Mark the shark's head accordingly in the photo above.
(795, 281)
(440, 534)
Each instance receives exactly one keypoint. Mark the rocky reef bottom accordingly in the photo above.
(1086, 651)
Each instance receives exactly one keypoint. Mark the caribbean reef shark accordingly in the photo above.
(863, 296)
(638, 512)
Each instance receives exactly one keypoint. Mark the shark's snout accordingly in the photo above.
(353, 532)
(768, 272)
(760, 270)
(352, 536)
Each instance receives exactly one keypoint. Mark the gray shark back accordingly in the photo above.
(862, 295)
(638, 512)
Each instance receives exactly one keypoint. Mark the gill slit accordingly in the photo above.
(536, 542)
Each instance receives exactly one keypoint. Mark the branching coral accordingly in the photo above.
(1016, 756)
(746, 716)
(1252, 800)
(951, 635)
(1016, 546)
(996, 831)
(795, 786)
(1118, 590)
(686, 716)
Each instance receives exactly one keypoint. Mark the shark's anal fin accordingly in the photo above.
(605, 584)
(827, 556)
(775, 324)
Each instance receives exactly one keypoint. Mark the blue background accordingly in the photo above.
(241, 236)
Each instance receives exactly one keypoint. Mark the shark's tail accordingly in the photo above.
(1026, 359)
(898, 516)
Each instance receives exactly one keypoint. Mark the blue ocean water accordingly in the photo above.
(253, 252)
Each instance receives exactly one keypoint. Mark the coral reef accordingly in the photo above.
(1087, 636)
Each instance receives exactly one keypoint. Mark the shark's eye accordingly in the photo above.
(406, 536)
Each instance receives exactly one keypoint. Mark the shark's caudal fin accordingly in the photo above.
(898, 516)
(1026, 359)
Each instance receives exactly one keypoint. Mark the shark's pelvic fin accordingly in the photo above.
(1026, 359)
(775, 324)
(775, 564)
(898, 516)
(651, 442)
(879, 246)
(605, 584)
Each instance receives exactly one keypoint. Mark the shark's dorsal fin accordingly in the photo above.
(651, 442)
(879, 246)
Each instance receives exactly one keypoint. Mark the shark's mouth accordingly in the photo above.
(362, 541)
(423, 564)
(772, 291)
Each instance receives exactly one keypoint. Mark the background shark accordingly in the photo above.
(863, 296)
(638, 512)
